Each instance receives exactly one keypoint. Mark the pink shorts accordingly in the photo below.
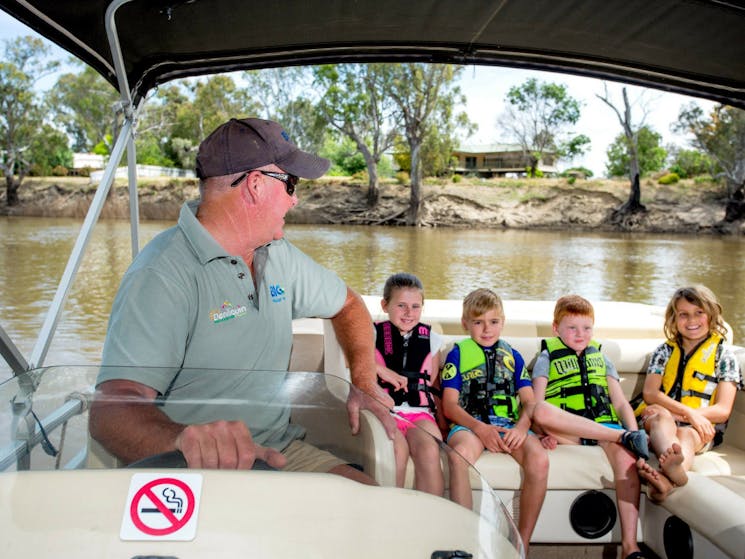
(411, 418)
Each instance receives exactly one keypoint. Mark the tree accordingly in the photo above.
(631, 133)
(424, 95)
(690, 162)
(48, 150)
(86, 105)
(353, 101)
(721, 135)
(650, 154)
(282, 95)
(24, 62)
(539, 117)
(213, 101)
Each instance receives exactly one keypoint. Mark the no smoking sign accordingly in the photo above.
(162, 507)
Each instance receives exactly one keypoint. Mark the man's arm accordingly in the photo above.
(353, 328)
(124, 419)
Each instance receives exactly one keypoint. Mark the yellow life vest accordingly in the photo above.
(698, 381)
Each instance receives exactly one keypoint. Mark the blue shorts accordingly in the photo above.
(493, 419)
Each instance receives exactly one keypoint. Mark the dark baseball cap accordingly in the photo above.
(244, 144)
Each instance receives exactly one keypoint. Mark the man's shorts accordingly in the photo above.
(409, 418)
(304, 457)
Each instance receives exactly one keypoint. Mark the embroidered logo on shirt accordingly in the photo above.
(277, 293)
(227, 311)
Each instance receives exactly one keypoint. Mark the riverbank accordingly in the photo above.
(686, 207)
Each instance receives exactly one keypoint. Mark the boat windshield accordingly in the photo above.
(45, 448)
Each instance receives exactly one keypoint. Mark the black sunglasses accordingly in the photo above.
(289, 180)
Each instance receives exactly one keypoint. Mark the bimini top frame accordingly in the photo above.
(692, 47)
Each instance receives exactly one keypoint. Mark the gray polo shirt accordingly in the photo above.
(187, 309)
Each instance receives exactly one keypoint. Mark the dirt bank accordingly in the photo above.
(503, 203)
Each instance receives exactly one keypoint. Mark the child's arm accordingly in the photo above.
(515, 437)
(719, 412)
(621, 404)
(540, 382)
(488, 434)
(653, 394)
(442, 421)
(399, 382)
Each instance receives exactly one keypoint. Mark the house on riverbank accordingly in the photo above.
(499, 160)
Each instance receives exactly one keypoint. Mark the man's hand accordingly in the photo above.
(225, 445)
(380, 403)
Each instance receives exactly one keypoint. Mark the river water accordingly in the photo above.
(451, 262)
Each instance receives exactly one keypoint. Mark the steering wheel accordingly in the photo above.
(175, 459)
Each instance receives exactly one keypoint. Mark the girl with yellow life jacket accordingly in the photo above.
(691, 383)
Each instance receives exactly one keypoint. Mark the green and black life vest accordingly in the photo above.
(578, 383)
(488, 380)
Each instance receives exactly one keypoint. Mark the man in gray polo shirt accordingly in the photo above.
(219, 291)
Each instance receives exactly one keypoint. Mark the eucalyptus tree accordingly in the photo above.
(353, 101)
(540, 117)
(650, 154)
(721, 135)
(636, 136)
(87, 106)
(24, 62)
(285, 95)
(425, 96)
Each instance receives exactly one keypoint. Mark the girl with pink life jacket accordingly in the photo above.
(408, 363)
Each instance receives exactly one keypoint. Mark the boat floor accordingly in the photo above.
(569, 551)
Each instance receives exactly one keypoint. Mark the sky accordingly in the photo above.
(486, 87)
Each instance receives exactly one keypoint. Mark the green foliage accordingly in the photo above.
(540, 116)
(83, 103)
(402, 177)
(24, 61)
(457, 178)
(104, 146)
(669, 178)
(691, 163)
(650, 153)
(721, 136)
(59, 171)
(345, 159)
(49, 150)
(582, 172)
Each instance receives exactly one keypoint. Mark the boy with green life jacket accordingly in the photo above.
(486, 396)
(573, 375)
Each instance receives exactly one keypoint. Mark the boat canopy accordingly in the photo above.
(693, 47)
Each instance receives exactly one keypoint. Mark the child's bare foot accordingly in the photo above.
(671, 464)
(660, 485)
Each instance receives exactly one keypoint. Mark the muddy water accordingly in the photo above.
(451, 262)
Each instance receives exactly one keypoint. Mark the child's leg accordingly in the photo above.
(401, 451)
(567, 427)
(660, 485)
(627, 485)
(660, 425)
(534, 461)
(425, 452)
(677, 460)
(468, 447)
